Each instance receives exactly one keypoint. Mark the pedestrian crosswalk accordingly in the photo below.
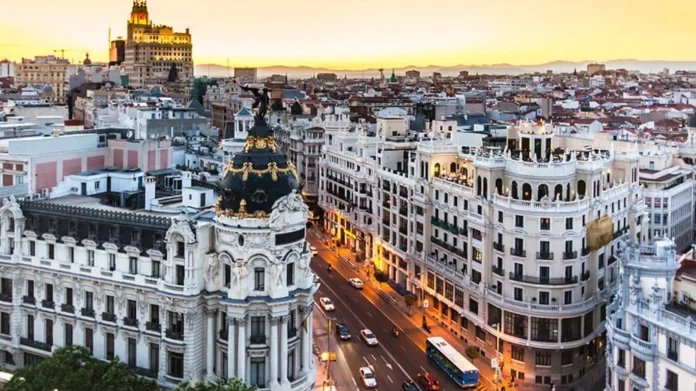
(321, 331)
(481, 387)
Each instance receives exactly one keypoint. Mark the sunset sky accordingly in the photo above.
(357, 34)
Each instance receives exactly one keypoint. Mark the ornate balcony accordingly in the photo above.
(6, 297)
(149, 373)
(173, 334)
(258, 339)
(48, 304)
(585, 276)
(87, 312)
(518, 252)
(130, 322)
(544, 280)
(498, 247)
(69, 308)
(35, 344)
(644, 349)
(570, 255)
(108, 317)
(153, 326)
(548, 256)
(30, 300)
(498, 270)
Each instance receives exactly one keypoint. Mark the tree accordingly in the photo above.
(409, 300)
(74, 368)
(381, 277)
(232, 384)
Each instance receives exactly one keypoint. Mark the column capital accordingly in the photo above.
(284, 319)
(275, 321)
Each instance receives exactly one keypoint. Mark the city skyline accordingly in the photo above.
(345, 36)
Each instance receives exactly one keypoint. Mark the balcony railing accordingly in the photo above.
(153, 326)
(31, 300)
(35, 344)
(6, 297)
(149, 373)
(292, 332)
(48, 304)
(544, 280)
(69, 308)
(585, 276)
(498, 270)
(108, 317)
(585, 251)
(545, 255)
(518, 252)
(258, 339)
(570, 255)
(498, 247)
(131, 322)
(173, 334)
(87, 312)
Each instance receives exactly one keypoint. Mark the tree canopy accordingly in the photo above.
(73, 368)
(232, 384)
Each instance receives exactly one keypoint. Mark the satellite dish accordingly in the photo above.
(129, 135)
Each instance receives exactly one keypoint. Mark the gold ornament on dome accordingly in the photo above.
(248, 168)
(253, 142)
(241, 214)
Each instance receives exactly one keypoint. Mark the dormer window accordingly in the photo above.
(135, 237)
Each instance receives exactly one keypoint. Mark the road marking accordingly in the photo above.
(363, 325)
(403, 348)
(390, 379)
(387, 363)
(368, 314)
(373, 357)
(354, 382)
(365, 358)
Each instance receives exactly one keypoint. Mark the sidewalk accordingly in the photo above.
(340, 371)
(592, 381)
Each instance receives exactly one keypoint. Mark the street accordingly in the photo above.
(395, 359)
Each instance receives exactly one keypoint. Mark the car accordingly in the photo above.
(368, 377)
(342, 332)
(409, 385)
(327, 304)
(356, 283)
(369, 337)
(313, 250)
(428, 382)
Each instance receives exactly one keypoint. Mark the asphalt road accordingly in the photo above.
(396, 358)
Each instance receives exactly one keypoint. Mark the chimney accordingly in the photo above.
(186, 180)
(150, 183)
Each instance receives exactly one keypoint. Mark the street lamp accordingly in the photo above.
(328, 347)
(497, 355)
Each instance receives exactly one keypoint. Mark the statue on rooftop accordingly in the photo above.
(262, 100)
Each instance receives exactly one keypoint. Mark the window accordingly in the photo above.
(543, 359)
(49, 293)
(68, 331)
(110, 305)
(569, 223)
(519, 221)
(90, 257)
(480, 334)
(112, 262)
(519, 294)
(515, 324)
(517, 353)
(89, 301)
(621, 358)
(473, 306)
(132, 352)
(544, 298)
(51, 251)
(259, 278)
(89, 339)
(544, 329)
(133, 265)
(258, 329)
(32, 248)
(545, 224)
(257, 372)
(638, 367)
(500, 217)
(568, 297)
(179, 274)
(4, 323)
(71, 254)
(290, 274)
(30, 327)
(110, 346)
(176, 365)
(566, 357)
(156, 265)
(131, 309)
(672, 382)
(154, 357)
(673, 349)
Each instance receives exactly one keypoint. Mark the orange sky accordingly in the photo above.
(358, 34)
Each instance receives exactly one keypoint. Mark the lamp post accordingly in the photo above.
(328, 348)
(497, 355)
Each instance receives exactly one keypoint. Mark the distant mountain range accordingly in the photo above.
(214, 70)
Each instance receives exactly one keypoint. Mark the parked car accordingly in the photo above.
(368, 377)
(428, 382)
(327, 304)
(408, 385)
(356, 283)
(313, 250)
(342, 332)
(369, 337)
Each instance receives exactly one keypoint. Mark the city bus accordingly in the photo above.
(452, 362)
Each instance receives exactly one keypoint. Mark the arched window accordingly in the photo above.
(437, 169)
(465, 173)
(485, 187)
(542, 191)
(558, 192)
(526, 192)
(581, 188)
(568, 192)
(478, 185)
(513, 190)
(499, 186)
(453, 168)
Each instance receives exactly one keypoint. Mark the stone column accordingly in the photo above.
(210, 344)
(231, 322)
(284, 349)
(304, 342)
(310, 340)
(241, 349)
(273, 345)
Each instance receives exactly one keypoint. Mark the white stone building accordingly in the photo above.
(203, 295)
(524, 236)
(651, 328)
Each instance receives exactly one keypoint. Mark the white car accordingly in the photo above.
(368, 377)
(356, 283)
(327, 304)
(369, 337)
(313, 250)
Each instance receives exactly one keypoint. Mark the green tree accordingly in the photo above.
(381, 277)
(232, 384)
(410, 301)
(74, 368)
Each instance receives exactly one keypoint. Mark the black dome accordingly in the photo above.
(257, 176)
